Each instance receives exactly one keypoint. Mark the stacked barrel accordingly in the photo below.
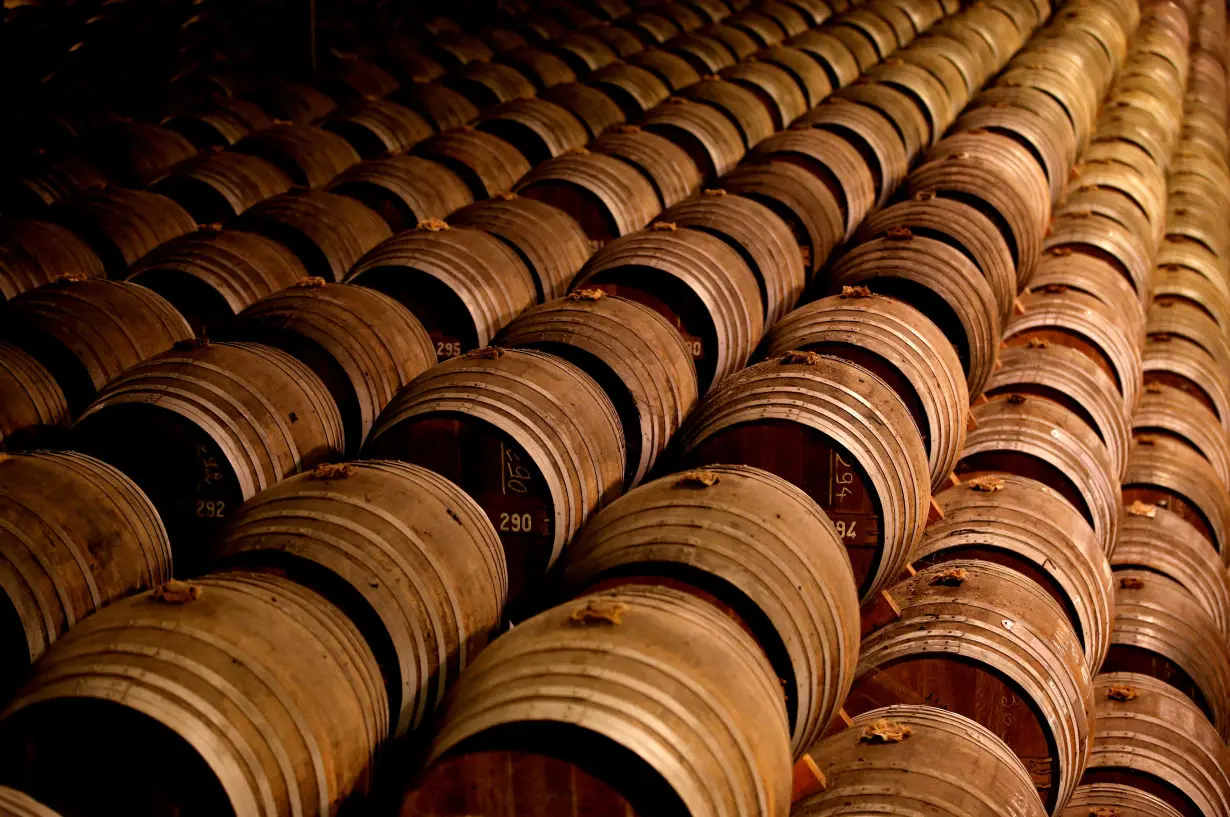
(383, 438)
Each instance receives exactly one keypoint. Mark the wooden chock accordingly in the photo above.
(971, 422)
(934, 513)
(880, 611)
(807, 779)
(1018, 308)
(953, 479)
(980, 400)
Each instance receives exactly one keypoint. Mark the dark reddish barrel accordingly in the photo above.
(489, 83)
(121, 226)
(1166, 472)
(442, 106)
(216, 187)
(485, 162)
(378, 127)
(1168, 412)
(32, 404)
(549, 241)
(1158, 539)
(709, 137)
(218, 423)
(49, 181)
(1178, 362)
(1036, 438)
(763, 549)
(940, 282)
(404, 190)
(742, 107)
(136, 153)
(362, 344)
(635, 90)
(538, 129)
(86, 333)
(209, 276)
(294, 101)
(1022, 524)
(591, 107)
(706, 53)
(34, 253)
(222, 122)
(584, 51)
(531, 437)
(694, 716)
(836, 431)
(1150, 738)
(639, 360)
(667, 166)
(674, 71)
(1026, 680)
(1162, 631)
(309, 155)
(945, 760)
(608, 197)
(540, 67)
(776, 89)
(463, 285)
(900, 345)
(1129, 801)
(241, 693)
(1067, 377)
(329, 233)
(694, 280)
(76, 536)
(406, 554)
(1095, 277)
(871, 134)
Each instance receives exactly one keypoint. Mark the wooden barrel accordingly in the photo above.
(674, 71)
(1149, 737)
(32, 404)
(364, 78)
(362, 344)
(293, 101)
(654, 26)
(221, 122)
(538, 129)
(856, 41)
(871, 134)
(1068, 378)
(762, 549)
(378, 127)
(409, 557)
(651, 689)
(838, 432)
(218, 186)
(898, 759)
(634, 89)
(741, 106)
(908, 120)
(463, 285)
(608, 197)
(456, 49)
(634, 354)
(833, 161)
(807, 73)
(404, 190)
(1065, 317)
(485, 162)
(329, 233)
(1125, 192)
(961, 226)
(830, 53)
(443, 107)
(136, 153)
(309, 155)
(1164, 471)
(808, 208)
(1022, 524)
(874, 27)
(16, 804)
(1050, 147)
(539, 66)
(35, 253)
(982, 640)
(663, 163)
(593, 108)
(1186, 320)
(211, 275)
(1162, 631)
(123, 225)
(1178, 362)
(708, 136)
(776, 89)
(77, 536)
(1096, 277)
(739, 39)
(1129, 801)
(760, 237)
(1157, 539)
(549, 241)
(217, 422)
(903, 348)
(584, 51)
(706, 53)
(1185, 285)
(696, 282)
(86, 333)
(940, 282)
(489, 83)
(530, 436)
(790, 19)
(241, 693)
(1085, 231)
(45, 181)
(925, 91)
(1036, 438)
(1168, 412)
